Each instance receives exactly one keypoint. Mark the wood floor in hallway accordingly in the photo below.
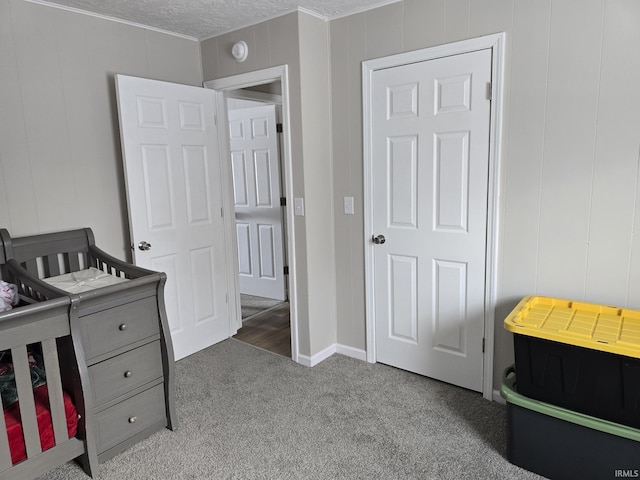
(269, 330)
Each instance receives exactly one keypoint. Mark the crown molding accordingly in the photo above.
(112, 19)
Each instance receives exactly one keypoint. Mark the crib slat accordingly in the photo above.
(31, 266)
(54, 386)
(5, 454)
(25, 397)
(74, 261)
(51, 265)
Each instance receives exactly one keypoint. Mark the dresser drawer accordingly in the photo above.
(121, 374)
(118, 327)
(124, 420)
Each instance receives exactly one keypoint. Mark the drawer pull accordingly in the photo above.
(122, 327)
(133, 419)
(128, 374)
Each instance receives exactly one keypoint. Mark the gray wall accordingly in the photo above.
(569, 173)
(318, 180)
(60, 162)
(300, 41)
(570, 163)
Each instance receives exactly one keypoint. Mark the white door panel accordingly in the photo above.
(256, 178)
(430, 151)
(172, 170)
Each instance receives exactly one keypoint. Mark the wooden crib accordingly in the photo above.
(39, 415)
(121, 330)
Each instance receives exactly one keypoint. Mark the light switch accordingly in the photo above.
(298, 206)
(348, 205)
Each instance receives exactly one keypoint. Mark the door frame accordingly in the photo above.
(236, 82)
(495, 42)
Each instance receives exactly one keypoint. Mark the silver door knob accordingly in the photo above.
(144, 246)
(379, 239)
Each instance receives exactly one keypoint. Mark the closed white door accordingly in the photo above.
(173, 184)
(256, 184)
(430, 160)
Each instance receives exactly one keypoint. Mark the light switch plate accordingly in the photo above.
(348, 206)
(298, 206)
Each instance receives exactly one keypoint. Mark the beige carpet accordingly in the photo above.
(249, 414)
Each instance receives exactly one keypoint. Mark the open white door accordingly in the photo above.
(173, 184)
(256, 183)
(430, 163)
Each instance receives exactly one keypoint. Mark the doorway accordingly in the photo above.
(431, 174)
(255, 127)
(258, 86)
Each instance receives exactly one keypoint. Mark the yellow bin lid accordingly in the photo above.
(599, 327)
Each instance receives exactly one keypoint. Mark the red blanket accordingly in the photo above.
(14, 426)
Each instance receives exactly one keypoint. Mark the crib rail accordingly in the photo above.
(30, 288)
(5, 238)
(103, 261)
(40, 324)
(52, 254)
(49, 254)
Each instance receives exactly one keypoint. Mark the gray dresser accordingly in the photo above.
(130, 370)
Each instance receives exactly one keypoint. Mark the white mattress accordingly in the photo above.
(83, 280)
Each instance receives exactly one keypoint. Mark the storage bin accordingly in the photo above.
(580, 356)
(561, 444)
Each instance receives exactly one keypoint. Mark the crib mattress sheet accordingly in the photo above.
(83, 280)
(45, 428)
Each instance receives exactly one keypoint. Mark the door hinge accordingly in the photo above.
(286, 270)
(489, 91)
(283, 201)
(226, 298)
(221, 212)
(483, 345)
(279, 128)
(215, 120)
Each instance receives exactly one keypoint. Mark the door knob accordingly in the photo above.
(379, 239)
(144, 246)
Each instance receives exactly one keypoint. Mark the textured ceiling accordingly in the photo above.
(207, 18)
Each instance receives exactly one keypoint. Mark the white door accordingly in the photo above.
(256, 185)
(173, 184)
(430, 161)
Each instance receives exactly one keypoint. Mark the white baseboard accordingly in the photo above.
(318, 357)
(330, 350)
(348, 351)
(358, 354)
(304, 360)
